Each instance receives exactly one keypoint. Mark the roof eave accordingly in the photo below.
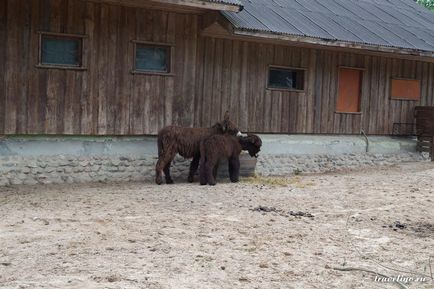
(204, 4)
(333, 43)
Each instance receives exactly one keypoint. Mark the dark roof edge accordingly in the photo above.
(332, 43)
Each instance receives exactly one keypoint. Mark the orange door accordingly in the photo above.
(350, 83)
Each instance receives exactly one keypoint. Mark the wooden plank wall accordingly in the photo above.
(3, 45)
(211, 75)
(313, 110)
(106, 98)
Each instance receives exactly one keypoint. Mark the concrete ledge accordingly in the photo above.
(272, 144)
(334, 145)
(77, 146)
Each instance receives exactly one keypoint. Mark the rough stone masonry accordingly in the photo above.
(28, 170)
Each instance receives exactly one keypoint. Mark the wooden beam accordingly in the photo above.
(215, 25)
(187, 6)
(215, 29)
(152, 5)
(205, 5)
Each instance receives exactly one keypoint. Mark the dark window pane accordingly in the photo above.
(60, 51)
(152, 58)
(285, 78)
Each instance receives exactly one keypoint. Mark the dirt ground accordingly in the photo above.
(259, 233)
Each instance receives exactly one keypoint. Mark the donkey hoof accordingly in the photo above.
(158, 181)
(190, 179)
(169, 181)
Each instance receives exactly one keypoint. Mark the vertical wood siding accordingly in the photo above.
(3, 45)
(312, 110)
(106, 98)
(210, 76)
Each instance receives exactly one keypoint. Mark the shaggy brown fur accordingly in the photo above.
(217, 147)
(186, 142)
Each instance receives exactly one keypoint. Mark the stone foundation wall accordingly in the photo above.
(15, 170)
(281, 165)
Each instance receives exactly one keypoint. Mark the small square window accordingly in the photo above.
(285, 78)
(60, 50)
(152, 58)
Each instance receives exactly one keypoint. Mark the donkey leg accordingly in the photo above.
(203, 173)
(169, 179)
(215, 170)
(163, 164)
(210, 167)
(193, 168)
(234, 169)
(159, 171)
(168, 162)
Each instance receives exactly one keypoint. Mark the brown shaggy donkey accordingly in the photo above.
(217, 147)
(185, 141)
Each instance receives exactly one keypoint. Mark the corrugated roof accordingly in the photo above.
(387, 23)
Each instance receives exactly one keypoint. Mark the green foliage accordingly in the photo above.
(427, 3)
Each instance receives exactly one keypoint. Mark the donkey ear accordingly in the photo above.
(221, 126)
(226, 117)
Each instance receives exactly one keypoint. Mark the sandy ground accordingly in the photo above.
(186, 236)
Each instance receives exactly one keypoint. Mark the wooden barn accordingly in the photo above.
(130, 67)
